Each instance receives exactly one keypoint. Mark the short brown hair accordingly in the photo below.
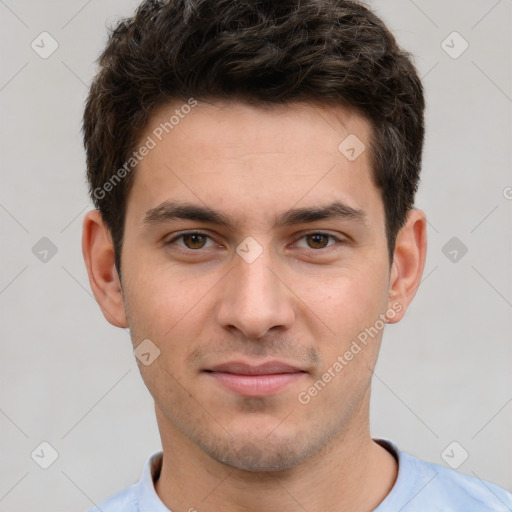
(263, 53)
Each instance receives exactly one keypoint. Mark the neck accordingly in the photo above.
(351, 472)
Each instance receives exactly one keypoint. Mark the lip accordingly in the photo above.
(255, 380)
(268, 368)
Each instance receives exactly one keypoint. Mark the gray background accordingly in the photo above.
(69, 378)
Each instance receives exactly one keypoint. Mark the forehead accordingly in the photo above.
(251, 159)
(266, 127)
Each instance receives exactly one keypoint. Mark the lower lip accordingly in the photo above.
(255, 385)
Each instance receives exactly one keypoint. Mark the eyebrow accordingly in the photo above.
(169, 211)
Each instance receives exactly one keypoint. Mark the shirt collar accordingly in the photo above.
(147, 498)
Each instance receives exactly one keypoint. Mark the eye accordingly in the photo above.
(196, 240)
(192, 240)
(318, 240)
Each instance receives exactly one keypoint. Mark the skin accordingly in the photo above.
(303, 301)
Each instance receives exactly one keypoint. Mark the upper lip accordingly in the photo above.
(268, 368)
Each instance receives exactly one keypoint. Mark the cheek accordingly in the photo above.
(161, 296)
(168, 309)
(349, 301)
(352, 309)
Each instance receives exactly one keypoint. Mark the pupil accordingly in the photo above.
(193, 238)
(317, 239)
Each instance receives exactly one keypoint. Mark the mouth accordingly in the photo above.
(255, 380)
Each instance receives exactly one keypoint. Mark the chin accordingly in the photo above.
(259, 454)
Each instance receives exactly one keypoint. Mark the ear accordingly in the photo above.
(408, 263)
(98, 252)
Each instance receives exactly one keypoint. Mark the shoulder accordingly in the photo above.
(122, 501)
(459, 491)
(430, 487)
(139, 496)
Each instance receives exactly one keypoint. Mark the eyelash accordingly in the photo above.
(200, 233)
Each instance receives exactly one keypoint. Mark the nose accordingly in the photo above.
(255, 298)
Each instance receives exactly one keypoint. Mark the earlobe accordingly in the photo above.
(408, 263)
(98, 253)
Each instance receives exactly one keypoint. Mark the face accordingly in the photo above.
(256, 308)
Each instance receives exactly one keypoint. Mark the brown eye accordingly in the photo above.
(318, 240)
(194, 240)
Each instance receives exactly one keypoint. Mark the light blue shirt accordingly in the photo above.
(420, 487)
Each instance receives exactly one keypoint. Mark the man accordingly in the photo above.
(254, 166)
